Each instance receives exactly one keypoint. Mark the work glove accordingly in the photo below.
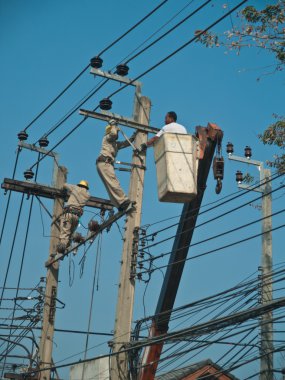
(143, 147)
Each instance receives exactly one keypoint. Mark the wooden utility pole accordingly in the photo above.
(46, 342)
(124, 312)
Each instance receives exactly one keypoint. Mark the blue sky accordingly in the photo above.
(44, 46)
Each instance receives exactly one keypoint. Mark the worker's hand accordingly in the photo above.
(143, 147)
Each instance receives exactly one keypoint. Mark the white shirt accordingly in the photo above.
(172, 128)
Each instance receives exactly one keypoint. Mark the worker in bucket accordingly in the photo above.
(105, 165)
(170, 127)
(78, 196)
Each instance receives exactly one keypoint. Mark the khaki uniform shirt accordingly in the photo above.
(78, 197)
(110, 145)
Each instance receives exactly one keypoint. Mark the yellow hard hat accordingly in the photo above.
(108, 129)
(83, 183)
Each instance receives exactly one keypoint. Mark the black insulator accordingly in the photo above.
(29, 174)
(43, 142)
(247, 152)
(218, 167)
(77, 238)
(122, 69)
(96, 62)
(93, 226)
(105, 104)
(22, 136)
(230, 148)
(239, 176)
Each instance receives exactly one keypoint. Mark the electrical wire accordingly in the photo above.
(9, 196)
(169, 31)
(239, 194)
(56, 98)
(86, 67)
(197, 36)
(157, 31)
(12, 248)
(220, 248)
(133, 27)
(213, 236)
(144, 73)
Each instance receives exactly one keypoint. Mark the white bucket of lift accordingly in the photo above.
(176, 160)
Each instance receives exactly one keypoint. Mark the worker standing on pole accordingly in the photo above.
(105, 165)
(78, 197)
(170, 127)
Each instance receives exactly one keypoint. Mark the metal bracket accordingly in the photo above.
(131, 165)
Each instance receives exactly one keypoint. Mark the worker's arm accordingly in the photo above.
(124, 144)
(151, 141)
(68, 187)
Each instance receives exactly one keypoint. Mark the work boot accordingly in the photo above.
(123, 206)
(61, 247)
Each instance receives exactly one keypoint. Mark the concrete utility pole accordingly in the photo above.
(266, 327)
(266, 324)
(124, 313)
(46, 342)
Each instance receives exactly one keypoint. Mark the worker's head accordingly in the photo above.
(112, 129)
(113, 122)
(170, 117)
(84, 184)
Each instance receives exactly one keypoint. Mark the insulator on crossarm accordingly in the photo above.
(28, 174)
(105, 104)
(230, 148)
(247, 152)
(96, 62)
(239, 176)
(122, 70)
(22, 136)
(43, 142)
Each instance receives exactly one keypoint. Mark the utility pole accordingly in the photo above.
(266, 324)
(266, 328)
(124, 312)
(46, 342)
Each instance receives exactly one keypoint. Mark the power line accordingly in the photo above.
(96, 89)
(239, 194)
(211, 238)
(146, 72)
(85, 68)
(56, 98)
(169, 31)
(12, 247)
(219, 235)
(133, 27)
(180, 48)
(219, 248)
